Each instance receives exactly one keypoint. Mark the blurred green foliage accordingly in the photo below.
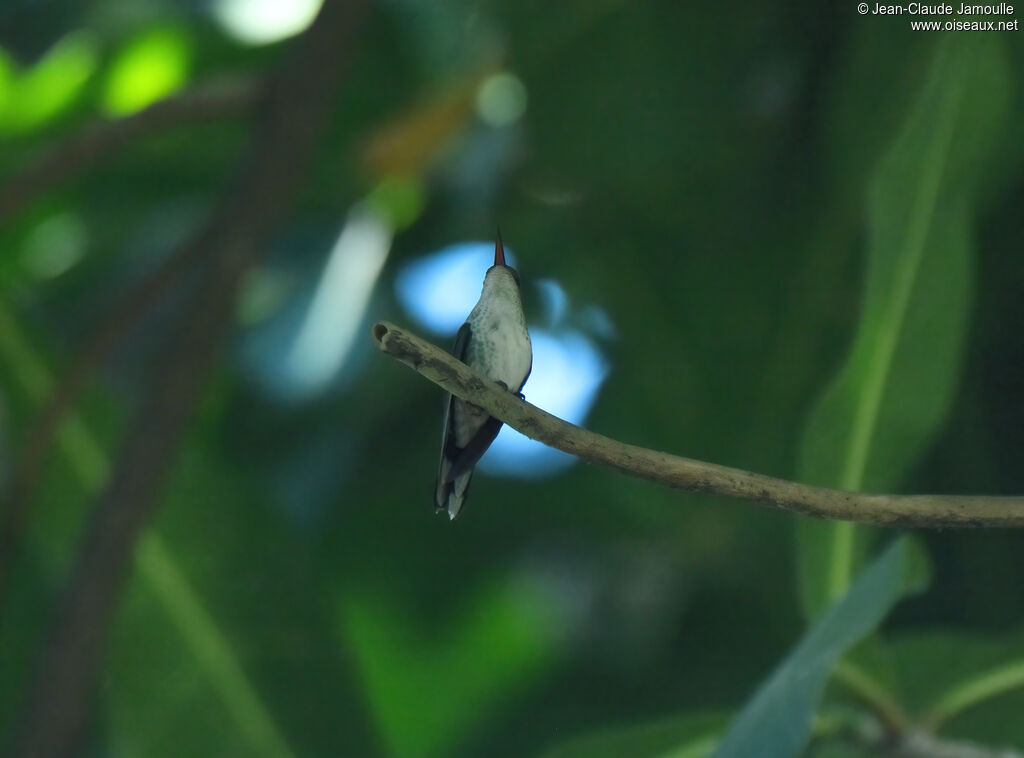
(802, 222)
(427, 694)
(150, 67)
(31, 97)
(894, 390)
(777, 720)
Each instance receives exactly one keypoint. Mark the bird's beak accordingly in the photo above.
(499, 252)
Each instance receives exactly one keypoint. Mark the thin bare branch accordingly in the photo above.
(30, 462)
(97, 141)
(685, 473)
(294, 110)
(924, 745)
(76, 154)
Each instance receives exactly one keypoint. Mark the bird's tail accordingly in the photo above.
(451, 494)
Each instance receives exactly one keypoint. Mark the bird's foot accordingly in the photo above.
(505, 387)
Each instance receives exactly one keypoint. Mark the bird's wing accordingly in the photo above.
(448, 448)
(465, 458)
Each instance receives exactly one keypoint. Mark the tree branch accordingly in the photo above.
(77, 153)
(100, 139)
(924, 745)
(295, 106)
(30, 462)
(868, 736)
(685, 473)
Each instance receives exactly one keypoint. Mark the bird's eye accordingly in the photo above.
(515, 275)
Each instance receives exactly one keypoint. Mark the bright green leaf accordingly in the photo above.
(32, 98)
(427, 696)
(149, 68)
(892, 394)
(776, 721)
(8, 75)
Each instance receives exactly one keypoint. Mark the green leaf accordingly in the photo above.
(690, 736)
(891, 396)
(776, 721)
(32, 98)
(966, 684)
(1003, 678)
(149, 68)
(947, 674)
(428, 695)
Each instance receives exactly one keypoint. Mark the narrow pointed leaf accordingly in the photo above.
(776, 721)
(891, 395)
(428, 695)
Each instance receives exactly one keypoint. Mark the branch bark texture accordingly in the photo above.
(688, 474)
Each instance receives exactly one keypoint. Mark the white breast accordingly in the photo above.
(500, 345)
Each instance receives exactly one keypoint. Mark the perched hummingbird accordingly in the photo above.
(494, 341)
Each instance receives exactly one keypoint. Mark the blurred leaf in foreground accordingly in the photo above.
(31, 98)
(427, 696)
(776, 721)
(150, 67)
(893, 392)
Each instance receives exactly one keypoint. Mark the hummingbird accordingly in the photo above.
(494, 341)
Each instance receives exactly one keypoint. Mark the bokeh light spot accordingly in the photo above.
(151, 67)
(261, 22)
(305, 323)
(398, 199)
(54, 246)
(339, 302)
(555, 300)
(501, 99)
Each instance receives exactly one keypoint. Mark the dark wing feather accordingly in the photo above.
(466, 458)
(444, 478)
(457, 462)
